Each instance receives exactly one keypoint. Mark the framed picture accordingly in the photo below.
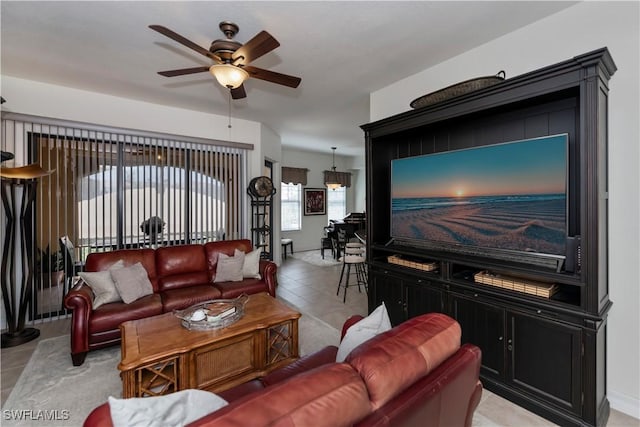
(315, 201)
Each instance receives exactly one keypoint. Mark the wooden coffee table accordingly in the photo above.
(160, 356)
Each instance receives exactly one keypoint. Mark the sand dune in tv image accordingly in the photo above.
(504, 225)
(506, 196)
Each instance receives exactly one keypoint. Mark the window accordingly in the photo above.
(337, 203)
(150, 192)
(291, 195)
(114, 188)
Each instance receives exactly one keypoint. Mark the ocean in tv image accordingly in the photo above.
(509, 196)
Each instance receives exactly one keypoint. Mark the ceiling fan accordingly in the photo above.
(231, 59)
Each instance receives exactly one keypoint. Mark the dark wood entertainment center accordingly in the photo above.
(546, 354)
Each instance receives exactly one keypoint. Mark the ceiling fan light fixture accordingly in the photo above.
(229, 75)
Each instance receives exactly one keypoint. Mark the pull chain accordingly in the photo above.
(229, 125)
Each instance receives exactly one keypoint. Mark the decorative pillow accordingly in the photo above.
(367, 328)
(229, 268)
(251, 266)
(132, 282)
(102, 285)
(175, 409)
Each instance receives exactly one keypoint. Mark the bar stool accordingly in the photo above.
(352, 256)
(358, 249)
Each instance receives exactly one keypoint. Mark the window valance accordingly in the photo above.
(344, 178)
(294, 175)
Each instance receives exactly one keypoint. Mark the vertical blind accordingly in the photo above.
(115, 189)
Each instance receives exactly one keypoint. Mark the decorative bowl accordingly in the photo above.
(457, 89)
(213, 314)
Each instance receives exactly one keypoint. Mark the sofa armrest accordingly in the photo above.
(268, 271)
(80, 301)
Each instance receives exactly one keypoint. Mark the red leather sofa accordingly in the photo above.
(180, 275)
(416, 374)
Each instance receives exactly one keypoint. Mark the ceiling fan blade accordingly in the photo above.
(238, 93)
(261, 44)
(273, 77)
(183, 71)
(188, 43)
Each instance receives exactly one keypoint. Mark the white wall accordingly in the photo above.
(271, 149)
(42, 99)
(573, 31)
(309, 237)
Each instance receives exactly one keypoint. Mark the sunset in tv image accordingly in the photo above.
(509, 196)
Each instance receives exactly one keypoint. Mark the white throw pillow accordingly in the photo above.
(229, 268)
(367, 328)
(101, 283)
(172, 410)
(251, 266)
(132, 282)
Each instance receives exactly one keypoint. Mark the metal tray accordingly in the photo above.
(213, 312)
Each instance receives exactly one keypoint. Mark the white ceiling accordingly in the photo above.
(342, 50)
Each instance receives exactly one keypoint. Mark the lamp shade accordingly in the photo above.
(31, 171)
(331, 178)
(229, 75)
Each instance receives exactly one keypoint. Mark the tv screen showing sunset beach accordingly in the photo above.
(509, 196)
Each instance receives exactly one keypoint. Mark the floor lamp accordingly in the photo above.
(19, 186)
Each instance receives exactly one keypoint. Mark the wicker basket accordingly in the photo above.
(457, 89)
(540, 289)
(418, 265)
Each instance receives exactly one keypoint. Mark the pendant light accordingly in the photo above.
(331, 178)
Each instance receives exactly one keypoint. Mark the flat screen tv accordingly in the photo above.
(507, 200)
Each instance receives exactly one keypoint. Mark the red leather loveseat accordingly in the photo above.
(180, 275)
(415, 374)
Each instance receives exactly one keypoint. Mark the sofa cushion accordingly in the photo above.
(246, 286)
(101, 261)
(110, 316)
(131, 282)
(227, 247)
(367, 328)
(318, 395)
(181, 298)
(393, 360)
(251, 265)
(101, 283)
(181, 266)
(229, 267)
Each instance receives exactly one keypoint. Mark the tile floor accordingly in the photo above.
(311, 289)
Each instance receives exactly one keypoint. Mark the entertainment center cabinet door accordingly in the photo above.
(529, 354)
(423, 297)
(483, 324)
(405, 296)
(546, 360)
(388, 288)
